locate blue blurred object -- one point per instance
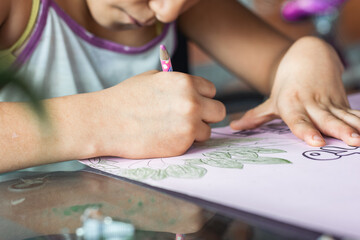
(96, 227)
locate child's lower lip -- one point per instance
(150, 22)
(135, 22)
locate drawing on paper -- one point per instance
(331, 153)
(277, 128)
(224, 142)
(225, 153)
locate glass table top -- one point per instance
(49, 202)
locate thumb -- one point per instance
(255, 117)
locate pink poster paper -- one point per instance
(266, 171)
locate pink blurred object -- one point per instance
(294, 10)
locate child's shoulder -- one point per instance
(14, 16)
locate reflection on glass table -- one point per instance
(51, 205)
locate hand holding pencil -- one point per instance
(161, 114)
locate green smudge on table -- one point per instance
(76, 209)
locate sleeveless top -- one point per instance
(59, 57)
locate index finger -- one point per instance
(204, 87)
(301, 125)
(186, 81)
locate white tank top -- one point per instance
(62, 58)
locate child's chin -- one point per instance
(122, 27)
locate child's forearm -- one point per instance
(238, 39)
(26, 140)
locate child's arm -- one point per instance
(4, 14)
(154, 114)
(302, 78)
(26, 141)
(236, 38)
(4, 10)
(14, 15)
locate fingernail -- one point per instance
(317, 138)
(355, 135)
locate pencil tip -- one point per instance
(162, 47)
(164, 55)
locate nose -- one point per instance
(166, 10)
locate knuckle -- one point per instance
(329, 118)
(346, 130)
(337, 132)
(222, 111)
(299, 120)
(188, 130)
(344, 116)
(292, 96)
(185, 82)
(356, 113)
(190, 107)
(212, 88)
(308, 132)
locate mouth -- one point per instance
(148, 22)
(135, 21)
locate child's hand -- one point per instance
(155, 114)
(309, 96)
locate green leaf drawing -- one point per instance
(240, 155)
(217, 155)
(138, 173)
(230, 156)
(107, 164)
(159, 174)
(222, 163)
(194, 161)
(236, 157)
(264, 160)
(176, 171)
(261, 150)
(185, 171)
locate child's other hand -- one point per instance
(309, 96)
(155, 114)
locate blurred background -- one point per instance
(336, 21)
